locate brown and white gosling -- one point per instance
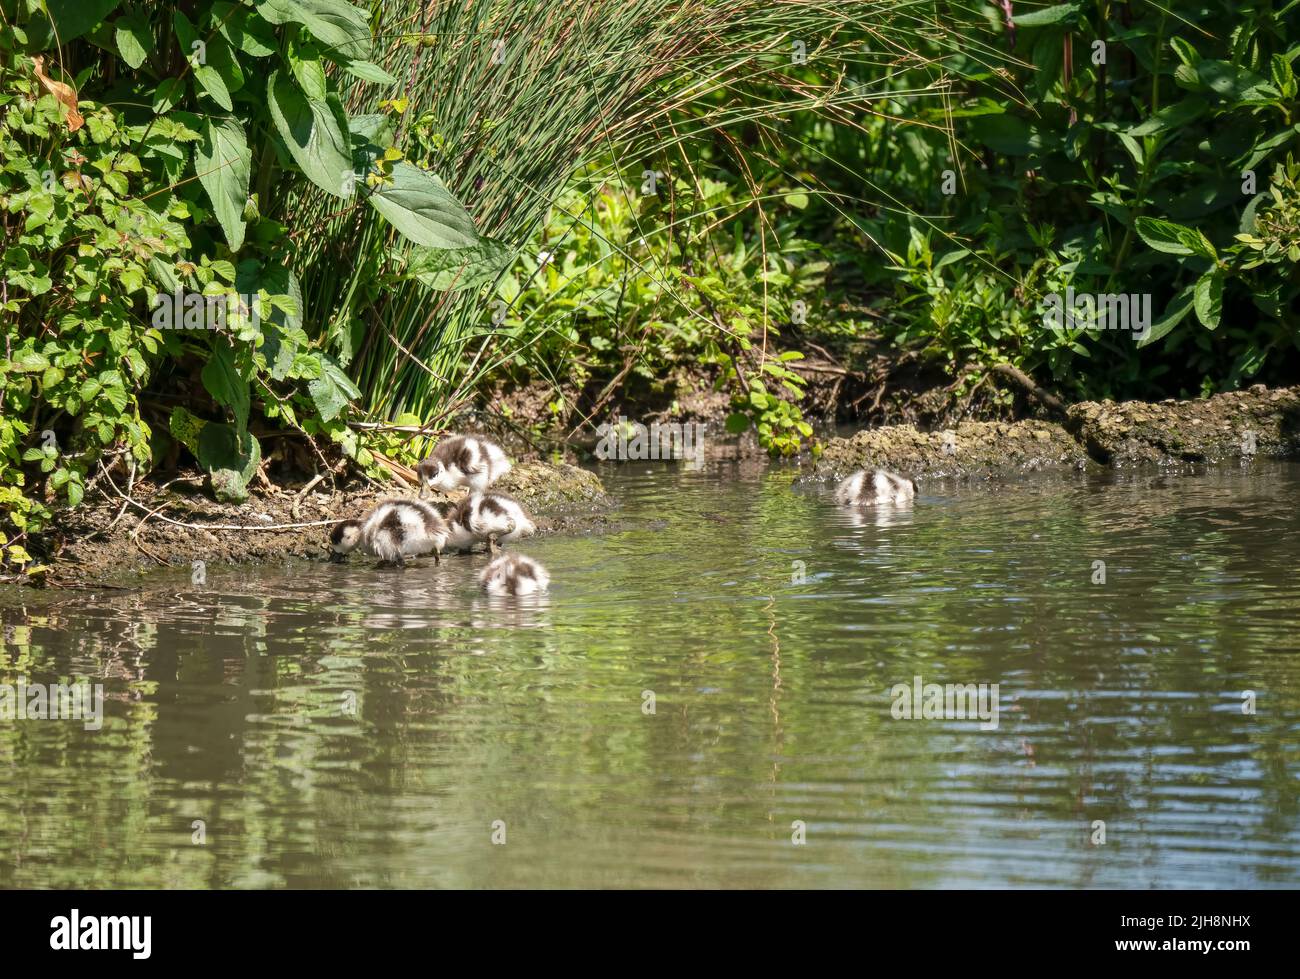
(514, 574)
(487, 517)
(392, 532)
(875, 487)
(463, 460)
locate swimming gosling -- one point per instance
(875, 487)
(488, 517)
(514, 574)
(463, 460)
(392, 531)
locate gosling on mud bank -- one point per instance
(463, 461)
(392, 532)
(875, 488)
(514, 574)
(489, 518)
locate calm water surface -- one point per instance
(1119, 702)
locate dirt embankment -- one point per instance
(176, 525)
(1171, 434)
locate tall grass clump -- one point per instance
(507, 100)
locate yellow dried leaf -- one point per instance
(63, 92)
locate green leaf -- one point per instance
(309, 71)
(332, 390)
(315, 134)
(31, 362)
(1174, 314)
(1007, 134)
(376, 127)
(223, 163)
(224, 382)
(68, 19)
(1187, 54)
(1164, 236)
(368, 72)
(453, 269)
(1209, 298)
(418, 205)
(213, 85)
(1172, 117)
(1059, 14)
(134, 38)
(341, 27)
(245, 30)
(737, 422)
(231, 456)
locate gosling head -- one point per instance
(434, 476)
(344, 538)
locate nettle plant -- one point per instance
(153, 154)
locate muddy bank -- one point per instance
(1093, 435)
(109, 540)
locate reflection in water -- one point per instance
(697, 681)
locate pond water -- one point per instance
(709, 680)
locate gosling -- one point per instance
(514, 574)
(392, 532)
(463, 460)
(874, 488)
(488, 517)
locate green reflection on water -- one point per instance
(232, 704)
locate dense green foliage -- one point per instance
(647, 184)
(123, 188)
(1159, 163)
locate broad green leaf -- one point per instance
(1172, 117)
(737, 422)
(368, 72)
(1007, 134)
(418, 205)
(341, 27)
(332, 390)
(1164, 236)
(315, 134)
(68, 19)
(374, 128)
(309, 72)
(1209, 298)
(223, 162)
(453, 269)
(231, 456)
(224, 382)
(1059, 14)
(245, 30)
(1174, 314)
(134, 38)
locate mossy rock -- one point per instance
(971, 450)
(542, 486)
(1224, 427)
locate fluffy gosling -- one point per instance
(392, 531)
(876, 487)
(514, 574)
(463, 460)
(488, 517)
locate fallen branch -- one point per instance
(297, 500)
(1048, 400)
